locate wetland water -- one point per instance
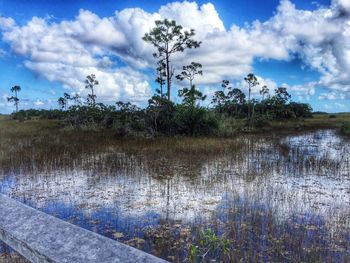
(279, 198)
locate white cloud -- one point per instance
(62, 53)
(4, 97)
(5, 105)
(69, 50)
(340, 105)
(332, 96)
(39, 103)
(255, 91)
(321, 38)
(242, 85)
(303, 91)
(342, 5)
(6, 23)
(204, 19)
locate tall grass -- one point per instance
(346, 128)
(46, 145)
(239, 229)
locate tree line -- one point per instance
(162, 115)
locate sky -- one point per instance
(48, 47)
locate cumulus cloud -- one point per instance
(332, 96)
(303, 91)
(69, 50)
(63, 53)
(343, 6)
(321, 38)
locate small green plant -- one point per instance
(193, 253)
(208, 244)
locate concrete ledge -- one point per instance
(43, 238)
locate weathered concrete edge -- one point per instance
(42, 238)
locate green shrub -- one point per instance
(160, 116)
(30, 114)
(195, 121)
(346, 128)
(260, 121)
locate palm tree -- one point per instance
(169, 39)
(91, 82)
(67, 98)
(62, 102)
(190, 96)
(238, 98)
(15, 99)
(189, 72)
(252, 81)
(161, 75)
(264, 91)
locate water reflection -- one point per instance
(276, 199)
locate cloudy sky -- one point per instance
(49, 46)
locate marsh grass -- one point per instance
(346, 128)
(324, 121)
(39, 146)
(3, 117)
(12, 258)
(45, 145)
(250, 233)
(238, 231)
(232, 127)
(7, 255)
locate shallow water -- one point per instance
(276, 199)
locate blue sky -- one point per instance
(238, 11)
(48, 46)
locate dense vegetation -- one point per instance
(346, 128)
(163, 116)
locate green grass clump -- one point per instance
(346, 128)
